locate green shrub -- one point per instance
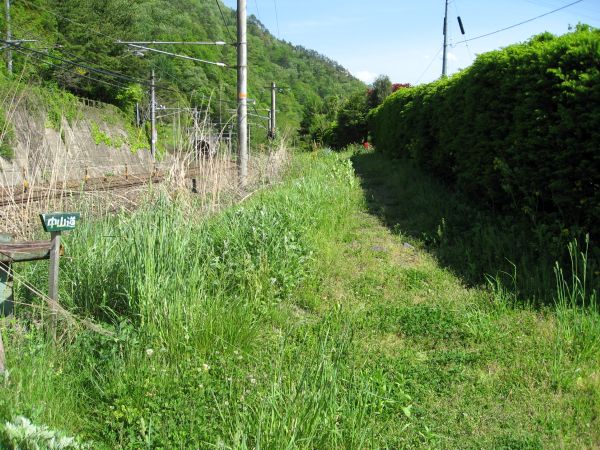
(518, 131)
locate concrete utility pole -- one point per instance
(273, 118)
(445, 58)
(9, 57)
(242, 91)
(153, 133)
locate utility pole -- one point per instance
(242, 91)
(269, 128)
(445, 59)
(153, 133)
(9, 63)
(272, 121)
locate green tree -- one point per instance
(87, 30)
(382, 89)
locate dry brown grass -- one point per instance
(56, 184)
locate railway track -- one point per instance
(73, 189)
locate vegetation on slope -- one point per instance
(296, 320)
(86, 31)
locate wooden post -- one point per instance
(6, 300)
(6, 304)
(2, 360)
(53, 280)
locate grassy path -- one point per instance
(477, 370)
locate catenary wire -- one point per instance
(430, 64)
(277, 18)
(83, 66)
(43, 61)
(524, 22)
(225, 22)
(93, 31)
(60, 49)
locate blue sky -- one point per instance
(402, 39)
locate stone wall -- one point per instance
(43, 154)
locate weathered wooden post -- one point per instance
(6, 304)
(6, 301)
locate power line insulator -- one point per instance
(460, 24)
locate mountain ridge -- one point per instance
(87, 31)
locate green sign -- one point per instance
(59, 221)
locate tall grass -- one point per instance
(208, 350)
(278, 323)
(477, 245)
(578, 316)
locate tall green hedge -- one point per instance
(519, 130)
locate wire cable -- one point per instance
(524, 22)
(463, 41)
(257, 10)
(43, 61)
(225, 22)
(277, 19)
(60, 49)
(430, 64)
(66, 61)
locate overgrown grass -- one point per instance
(478, 246)
(295, 320)
(207, 348)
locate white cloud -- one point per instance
(366, 76)
(452, 57)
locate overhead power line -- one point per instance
(455, 3)
(172, 43)
(99, 71)
(58, 48)
(524, 22)
(257, 10)
(430, 64)
(225, 22)
(277, 19)
(83, 66)
(80, 75)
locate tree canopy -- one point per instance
(87, 31)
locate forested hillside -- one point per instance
(86, 31)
